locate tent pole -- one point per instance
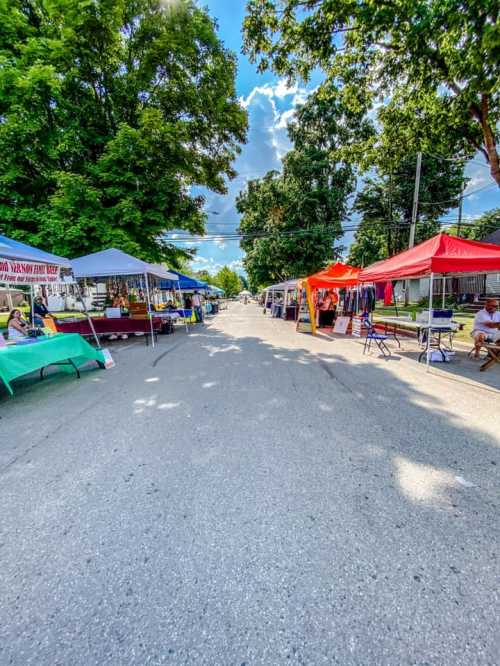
(32, 305)
(89, 318)
(444, 291)
(150, 314)
(429, 321)
(181, 301)
(9, 297)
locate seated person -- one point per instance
(40, 311)
(119, 301)
(486, 327)
(170, 306)
(16, 326)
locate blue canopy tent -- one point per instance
(14, 250)
(217, 291)
(185, 283)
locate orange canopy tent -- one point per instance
(336, 276)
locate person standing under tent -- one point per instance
(198, 312)
(486, 327)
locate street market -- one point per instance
(249, 333)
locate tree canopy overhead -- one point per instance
(436, 60)
(110, 111)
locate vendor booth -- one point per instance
(21, 264)
(281, 300)
(437, 258)
(322, 289)
(186, 286)
(130, 281)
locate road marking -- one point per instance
(464, 482)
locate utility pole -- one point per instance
(389, 233)
(460, 206)
(414, 214)
(415, 201)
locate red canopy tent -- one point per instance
(441, 254)
(336, 276)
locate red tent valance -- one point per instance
(336, 276)
(440, 254)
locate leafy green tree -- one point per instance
(436, 61)
(111, 110)
(292, 219)
(243, 282)
(205, 276)
(229, 281)
(486, 224)
(385, 206)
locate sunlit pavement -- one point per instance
(250, 495)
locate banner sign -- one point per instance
(27, 272)
(356, 326)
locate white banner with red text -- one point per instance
(14, 271)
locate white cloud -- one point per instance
(270, 108)
(282, 89)
(236, 265)
(479, 175)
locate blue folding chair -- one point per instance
(373, 336)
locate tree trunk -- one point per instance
(481, 113)
(489, 141)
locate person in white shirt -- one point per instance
(198, 312)
(486, 326)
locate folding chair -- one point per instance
(378, 338)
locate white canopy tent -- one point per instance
(282, 287)
(116, 263)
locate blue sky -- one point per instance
(270, 104)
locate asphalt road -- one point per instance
(250, 495)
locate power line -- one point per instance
(480, 189)
(465, 160)
(237, 236)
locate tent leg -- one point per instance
(89, 318)
(32, 305)
(444, 291)
(150, 314)
(183, 310)
(429, 322)
(9, 297)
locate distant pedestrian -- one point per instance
(198, 312)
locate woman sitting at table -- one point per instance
(16, 326)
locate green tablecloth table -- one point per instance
(61, 349)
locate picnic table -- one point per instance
(60, 349)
